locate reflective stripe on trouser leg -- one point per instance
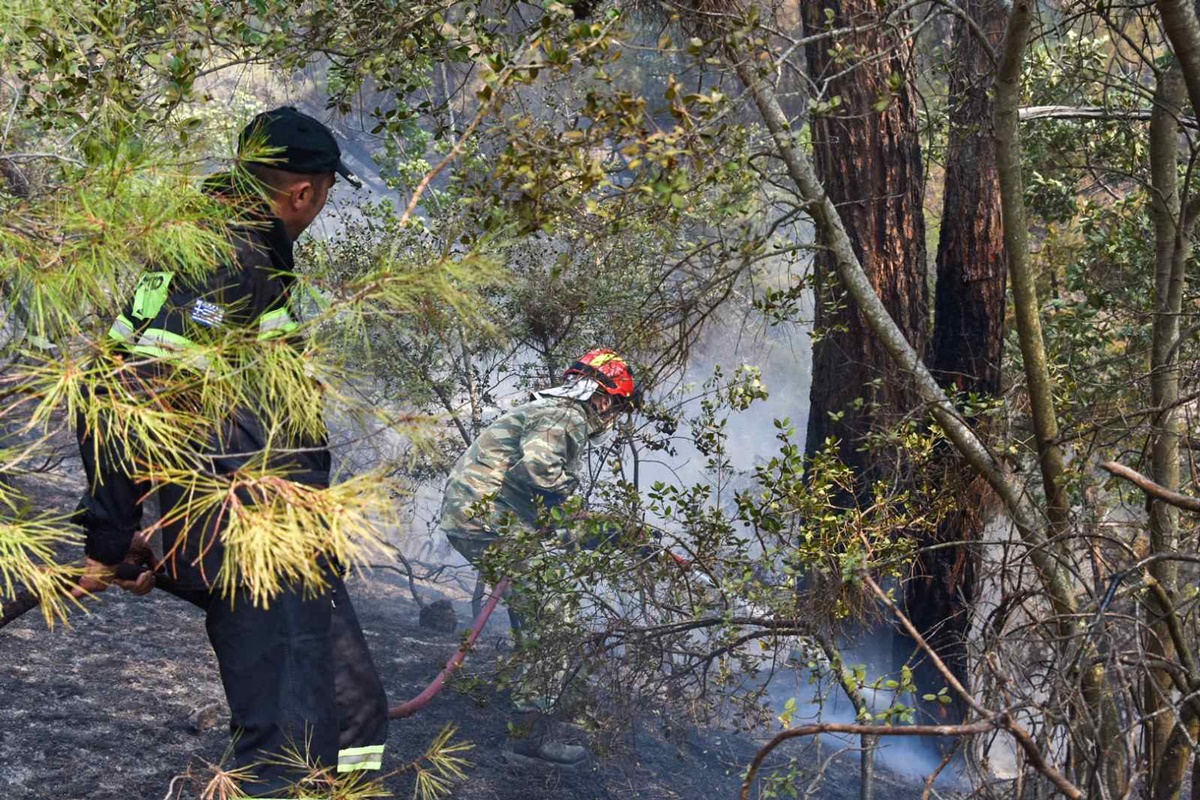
(361, 700)
(355, 758)
(276, 665)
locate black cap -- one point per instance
(295, 142)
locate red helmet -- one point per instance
(610, 371)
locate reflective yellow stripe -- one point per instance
(122, 328)
(155, 352)
(39, 341)
(356, 758)
(276, 323)
(158, 343)
(370, 749)
(157, 337)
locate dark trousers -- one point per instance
(298, 675)
(301, 686)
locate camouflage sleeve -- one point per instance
(550, 451)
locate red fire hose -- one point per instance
(420, 701)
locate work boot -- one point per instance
(531, 746)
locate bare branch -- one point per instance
(970, 729)
(1000, 719)
(1151, 488)
(1029, 113)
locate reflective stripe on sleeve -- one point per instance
(40, 342)
(158, 343)
(122, 328)
(276, 323)
(157, 337)
(356, 758)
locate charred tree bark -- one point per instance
(1047, 555)
(869, 160)
(968, 337)
(968, 332)
(867, 155)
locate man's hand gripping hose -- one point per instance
(135, 574)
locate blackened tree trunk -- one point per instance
(968, 331)
(968, 337)
(868, 157)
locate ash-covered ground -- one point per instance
(128, 697)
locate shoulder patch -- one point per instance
(210, 315)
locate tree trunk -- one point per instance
(1167, 754)
(968, 332)
(1182, 27)
(1048, 556)
(1095, 725)
(1027, 310)
(869, 160)
(968, 337)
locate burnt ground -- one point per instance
(100, 710)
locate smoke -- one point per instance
(809, 696)
(742, 336)
(745, 336)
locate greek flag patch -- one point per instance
(210, 315)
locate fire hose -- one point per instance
(420, 701)
(26, 600)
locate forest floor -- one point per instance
(105, 709)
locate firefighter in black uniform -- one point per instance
(297, 674)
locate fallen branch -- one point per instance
(24, 600)
(1157, 491)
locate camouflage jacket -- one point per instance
(528, 458)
